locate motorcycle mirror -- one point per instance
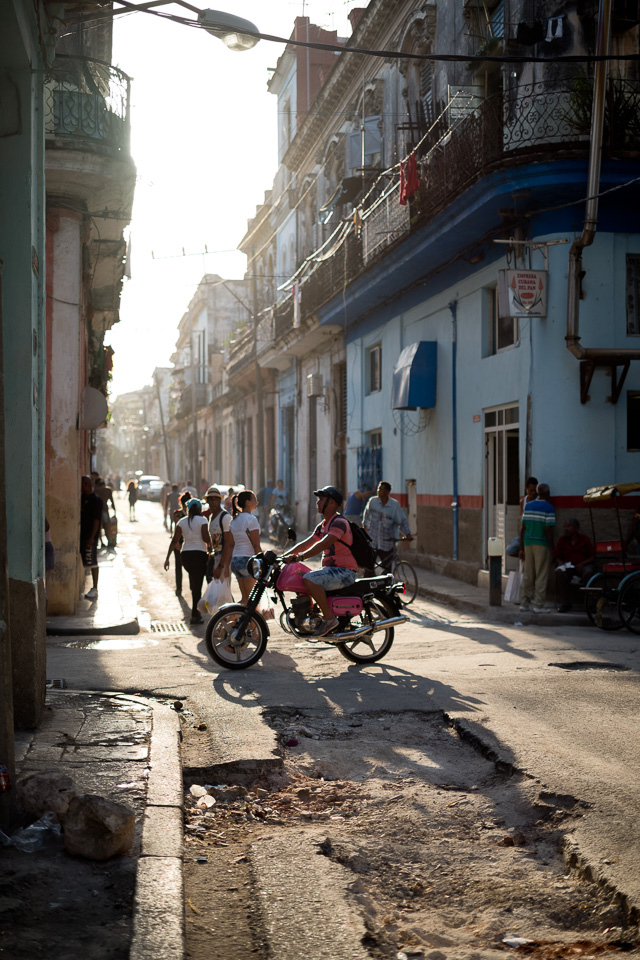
(291, 534)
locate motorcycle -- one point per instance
(280, 520)
(367, 611)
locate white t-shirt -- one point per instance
(217, 526)
(242, 546)
(193, 533)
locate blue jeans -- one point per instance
(239, 567)
(332, 578)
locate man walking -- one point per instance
(219, 520)
(90, 519)
(537, 549)
(384, 520)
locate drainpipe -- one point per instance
(591, 212)
(453, 307)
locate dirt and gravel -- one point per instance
(443, 855)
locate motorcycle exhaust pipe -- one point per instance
(353, 634)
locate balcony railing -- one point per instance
(533, 122)
(87, 101)
(472, 137)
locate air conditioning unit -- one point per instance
(315, 385)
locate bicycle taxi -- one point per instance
(612, 592)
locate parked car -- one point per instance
(144, 483)
(155, 490)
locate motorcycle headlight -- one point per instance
(255, 567)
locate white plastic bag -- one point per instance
(514, 582)
(217, 593)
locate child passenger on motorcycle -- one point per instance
(332, 537)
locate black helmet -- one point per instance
(331, 492)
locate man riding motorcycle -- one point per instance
(332, 537)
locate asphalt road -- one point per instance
(576, 731)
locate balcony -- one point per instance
(87, 102)
(531, 123)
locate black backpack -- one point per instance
(362, 547)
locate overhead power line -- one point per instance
(393, 54)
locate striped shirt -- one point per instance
(538, 517)
(384, 521)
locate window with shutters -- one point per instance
(426, 91)
(633, 295)
(374, 368)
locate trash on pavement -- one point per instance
(33, 837)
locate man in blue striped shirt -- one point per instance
(537, 549)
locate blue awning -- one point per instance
(414, 377)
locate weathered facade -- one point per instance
(90, 180)
(505, 156)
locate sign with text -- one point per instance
(522, 293)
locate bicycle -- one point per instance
(402, 572)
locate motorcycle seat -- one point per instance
(362, 586)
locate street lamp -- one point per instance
(235, 32)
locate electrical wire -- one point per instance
(386, 54)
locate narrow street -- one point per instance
(429, 805)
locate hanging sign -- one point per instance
(522, 293)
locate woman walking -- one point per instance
(193, 531)
(244, 532)
(132, 493)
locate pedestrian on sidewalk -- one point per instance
(90, 519)
(537, 549)
(193, 531)
(575, 559)
(105, 492)
(356, 501)
(173, 505)
(132, 493)
(530, 493)
(244, 534)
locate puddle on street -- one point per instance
(113, 643)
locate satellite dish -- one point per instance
(94, 409)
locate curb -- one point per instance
(158, 926)
(503, 614)
(82, 627)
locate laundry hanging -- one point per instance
(555, 29)
(409, 180)
(528, 33)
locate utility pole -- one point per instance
(194, 410)
(164, 432)
(261, 478)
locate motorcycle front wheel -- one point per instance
(372, 646)
(235, 653)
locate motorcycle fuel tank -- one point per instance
(290, 579)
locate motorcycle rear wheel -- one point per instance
(225, 649)
(370, 647)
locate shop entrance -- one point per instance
(502, 474)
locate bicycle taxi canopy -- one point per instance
(603, 593)
(609, 491)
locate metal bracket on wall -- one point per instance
(587, 369)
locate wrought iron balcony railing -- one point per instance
(472, 137)
(87, 101)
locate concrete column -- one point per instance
(22, 250)
(66, 364)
